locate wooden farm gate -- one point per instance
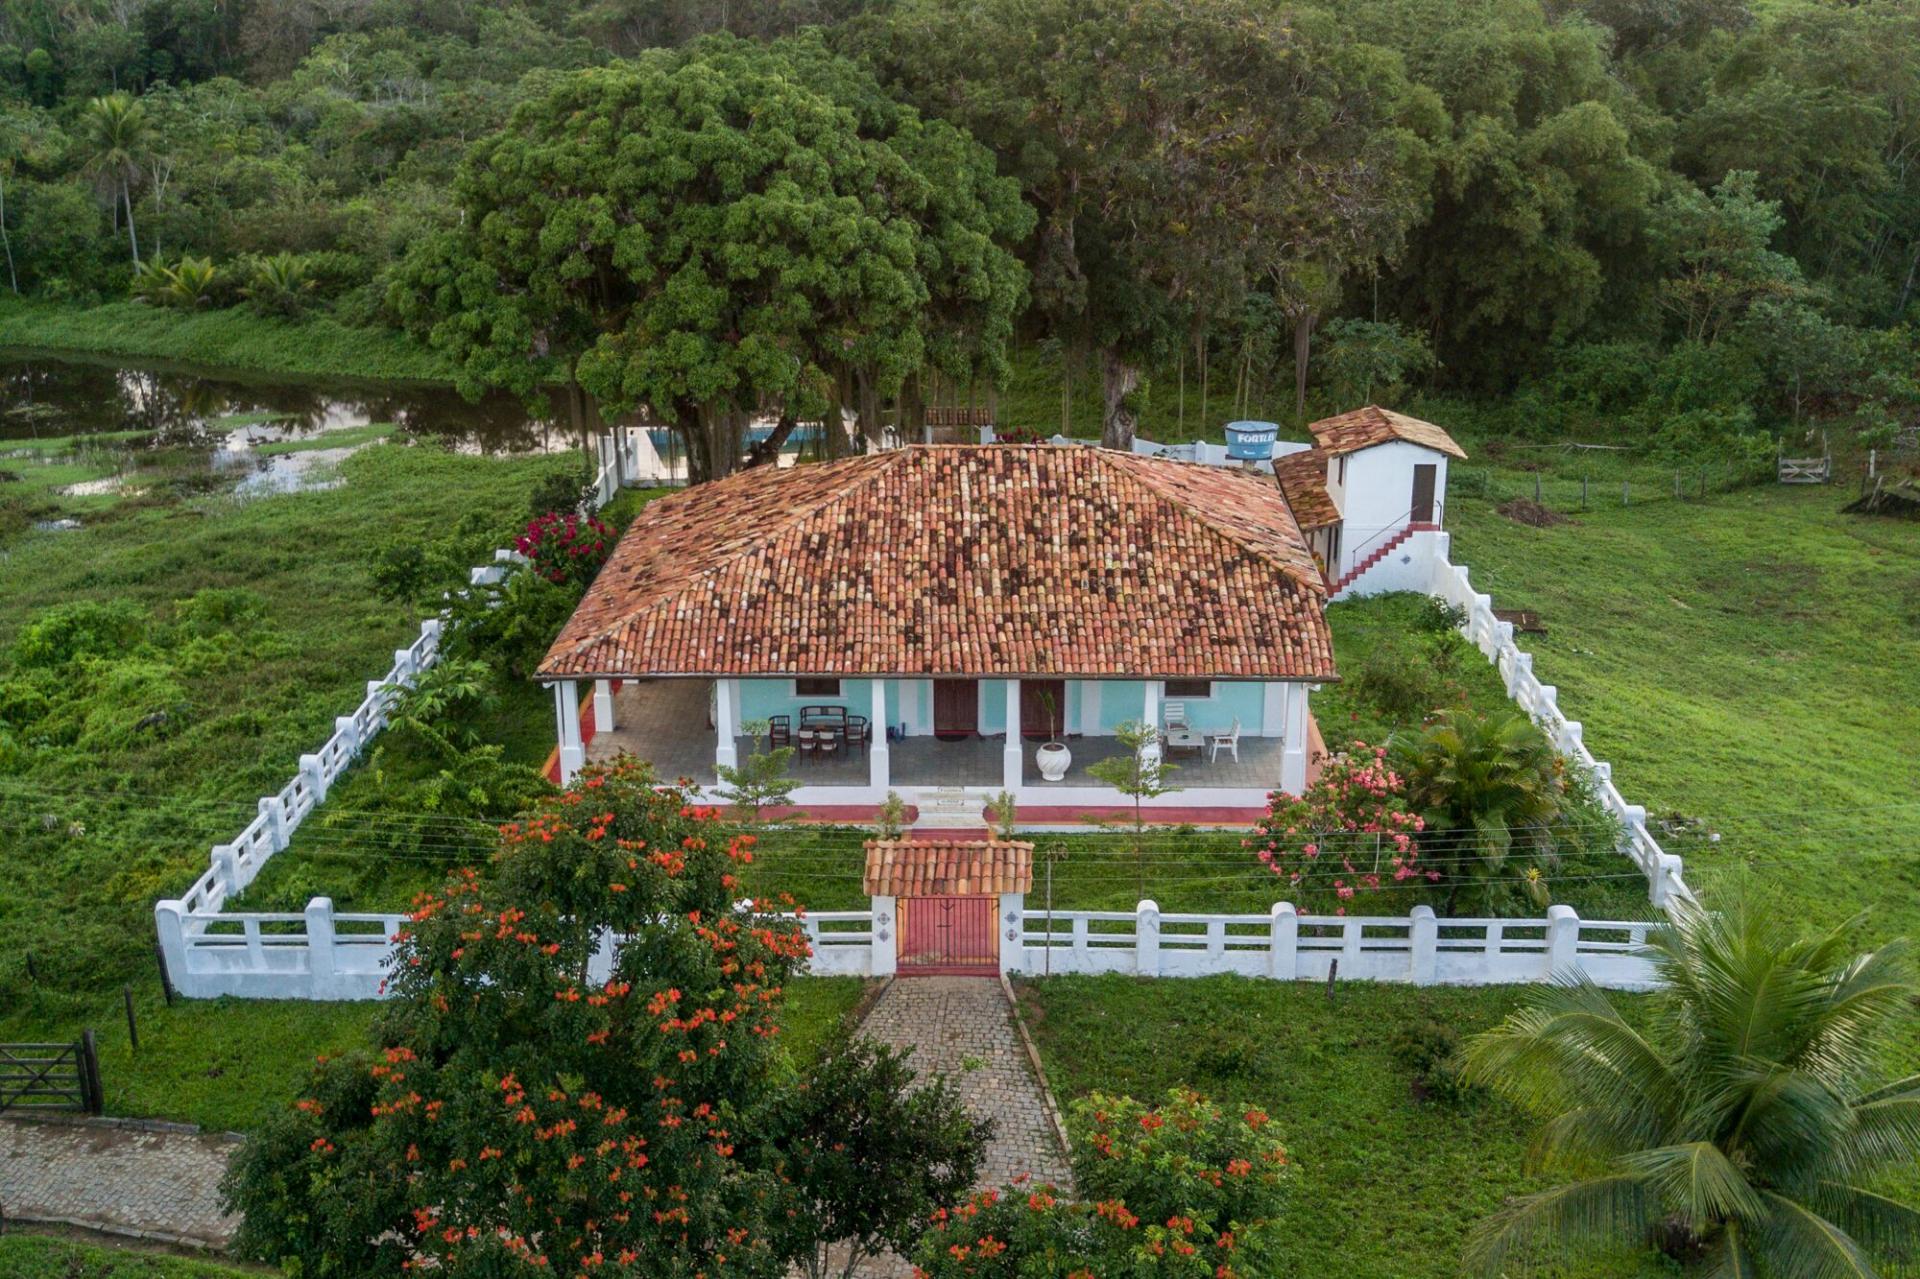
(51, 1076)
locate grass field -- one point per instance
(1385, 1185)
(47, 1257)
(233, 338)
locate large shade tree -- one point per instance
(716, 233)
(1180, 154)
(1746, 1128)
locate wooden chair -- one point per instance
(779, 732)
(859, 733)
(1229, 741)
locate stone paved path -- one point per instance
(963, 1028)
(161, 1185)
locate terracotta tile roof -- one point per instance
(946, 868)
(1303, 478)
(981, 560)
(1364, 428)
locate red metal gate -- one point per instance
(949, 935)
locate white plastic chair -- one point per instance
(1176, 715)
(1230, 740)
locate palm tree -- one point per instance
(1742, 1132)
(1485, 786)
(115, 137)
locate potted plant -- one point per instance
(1053, 757)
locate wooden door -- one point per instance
(1043, 709)
(956, 708)
(1424, 477)
(951, 935)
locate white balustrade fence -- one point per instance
(321, 955)
(1494, 638)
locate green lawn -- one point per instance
(1751, 661)
(116, 779)
(1384, 1185)
(49, 1257)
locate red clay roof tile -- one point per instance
(1364, 428)
(946, 868)
(989, 560)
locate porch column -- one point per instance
(602, 705)
(877, 757)
(1151, 718)
(566, 715)
(1273, 709)
(1293, 754)
(724, 754)
(1089, 708)
(1013, 757)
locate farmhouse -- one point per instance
(964, 616)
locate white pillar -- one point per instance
(169, 920)
(1146, 938)
(1151, 718)
(320, 938)
(1423, 937)
(566, 713)
(1012, 759)
(724, 753)
(1013, 909)
(602, 705)
(878, 755)
(1273, 709)
(1283, 933)
(885, 954)
(1563, 938)
(1293, 752)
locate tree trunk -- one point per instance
(1203, 381)
(913, 411)
(1118, 381)
(768, 450)
(871, 427)
(126, 193)
(13, 277)
(1302, 349)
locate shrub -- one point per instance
(68, 632)
(566, 490)
(1435, 616)
(1430, 1050)
(510, 623)
(1401, 683)
(566, 548)
(1355, 826)
(278, 284)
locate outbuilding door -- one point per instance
(948, 936)
(1424, 476)
(1043, 709)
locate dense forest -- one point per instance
(1693, 223)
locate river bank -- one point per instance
(229, 339)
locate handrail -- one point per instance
(1400, 524)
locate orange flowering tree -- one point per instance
(1184, 1190)
(536, 1104)
(1355, 830)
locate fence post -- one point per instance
(1146, 938)
(1424, 935)
(1283, 955)
(273, 811)
(315, 774)
(886, 955)
(1666, 872)
(320, 938)
(90, 1074)
(1563, 936)
(170, 924)
(226, 866)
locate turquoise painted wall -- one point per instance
(1120, 701)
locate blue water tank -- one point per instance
(1251, 441)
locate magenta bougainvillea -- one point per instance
(566, 547)
(1353, 831)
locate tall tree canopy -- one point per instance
(1179, 155)
(717, 233)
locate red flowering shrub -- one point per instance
(567, 548)
(528, 1111)
(1353, 831)
(1183, 1191)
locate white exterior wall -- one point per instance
(1378, 495)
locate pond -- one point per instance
(101, 428)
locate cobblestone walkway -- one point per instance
(963, 1028)
(159, 1185)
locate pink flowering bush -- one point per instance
(1354, 831)
(566, 548)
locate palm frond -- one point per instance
(1580, 1214)
(1795, 1240)
(1698, 1181)
(1731, 1256)
(1882, 1226)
